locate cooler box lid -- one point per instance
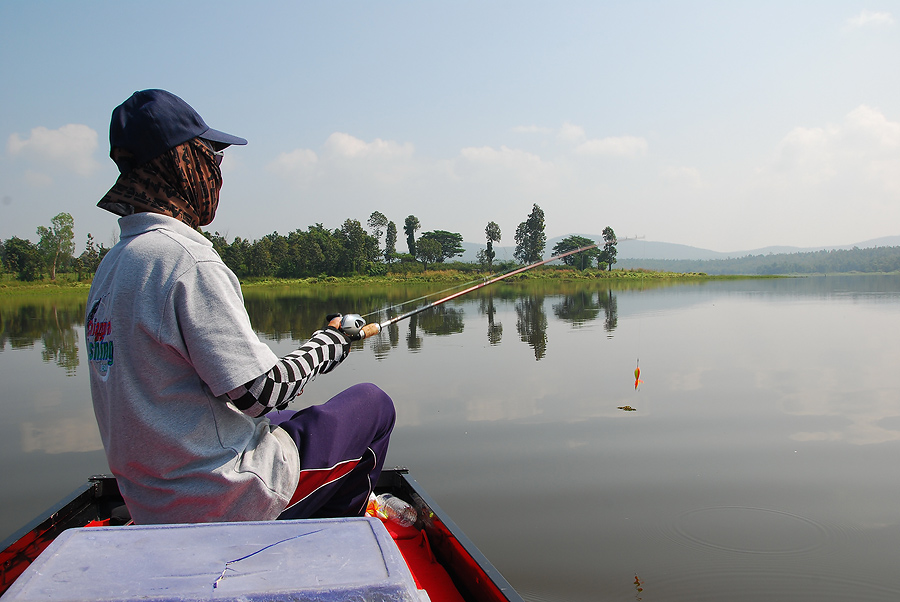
(303, 560)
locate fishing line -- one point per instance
(637, 368)
(354, 326)
(452, 288)
(429, 295)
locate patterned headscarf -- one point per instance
(183, 183)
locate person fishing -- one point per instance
(182, 386)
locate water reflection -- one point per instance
(494, 328)
(611, 311)
(531, 324)
(580, 307)
(53, 321)
(577, 309)
(442, 320)
(291, 315)
(756, 458)
(413, 340)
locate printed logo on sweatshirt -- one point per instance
(97, 335)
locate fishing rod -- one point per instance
(356, 328)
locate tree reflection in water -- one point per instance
(578, 309)
(53, 321)
(608, 302)
(60, 345)
(531, 323)
(495, 328)
(413, 340)
(279, 314)
(442, 320)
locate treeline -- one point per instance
(53, 253)
(869, 260)
(318, 251)
(314, 252)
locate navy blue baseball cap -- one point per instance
(153, 121)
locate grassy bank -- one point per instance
(63, 283)
(543, 273)
(70, 283)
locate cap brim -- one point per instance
(221, 137)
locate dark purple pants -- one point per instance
(342, 446)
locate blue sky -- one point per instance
(722, 125)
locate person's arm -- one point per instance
(277, 387)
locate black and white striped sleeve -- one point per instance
(276, 388)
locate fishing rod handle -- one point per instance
(369, 330)
(356, 328)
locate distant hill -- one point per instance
(648, 249)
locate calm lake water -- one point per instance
(760, 462)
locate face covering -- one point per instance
(183, 183)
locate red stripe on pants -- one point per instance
(312, 479)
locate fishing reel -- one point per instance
(352, 324)
(356, 328)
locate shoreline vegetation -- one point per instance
(70, 282)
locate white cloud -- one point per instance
(71, 147)
(872, 125)
(531, 129)
(621, 146)
(871, 19)
(518, 168)
(506, 169)
(505, 157)
(344, 157)
(61, 435)
(821, 178)
(807, 154)
(571, 133)
(864, 149)
(297, 165)
(344, 145)
(687, 175)
(37, 179)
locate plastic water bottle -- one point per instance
(395, 509)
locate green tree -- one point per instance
(377, 223)
(292, 263)
(218, 242)
(23, 258)
(89, 259)
(323, 250)
(237, 255)
(492, 233)
(450, 243)
(578, 260)
(92, 254)
(57, 242)
(530, 237)
(281, 257)
(481, 257)
(357, 246)
(390, 242)
(260, 262)
(608, 254)
(410, 226)
(429, 251)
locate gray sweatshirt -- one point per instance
(168, 337)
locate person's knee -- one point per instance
(377, 397)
